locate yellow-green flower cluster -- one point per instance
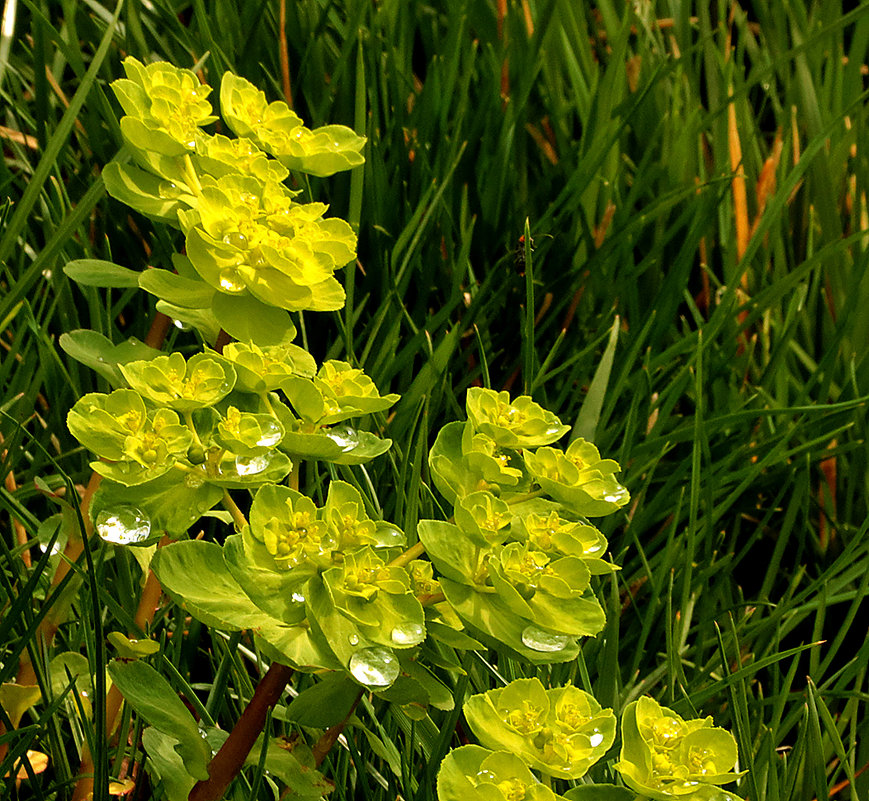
(277, 129)
(665, 757)
(165, 107)
(561, 732)
(245, 233)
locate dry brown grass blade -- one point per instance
(766, 182)
(826, 532)
(285, 55)
(740, 196)
(502, 37)
(17, 525)
(542, 142)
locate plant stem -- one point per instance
(229, 759)
(230, 505)
(414, 552)
(330, 736)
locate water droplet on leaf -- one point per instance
(251, 465)
(543, 641)
(408, 634)
(123, 526)
(389, 536)
(271, 434)
(236, 239)
(167, 189)
(194, 480)
(353, 639)
(596, 739)
(230, 281)
(374, 667)
(344, 437)
(298, 597)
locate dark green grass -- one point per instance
(720, 407)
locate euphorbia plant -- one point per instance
(328, 588)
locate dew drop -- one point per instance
(344, 437)
(236, 239)
(230, 282)
(389, 536)
(374, 667)
(353, 639)
(298, 597)
(596, 739)
(167, 189)
(194, 480)
(271, 434)
(251, 465)
(543, 641)
(407, 635)
(123, 526)
(619, 496)
(486, 776)
(336, 145)
(181, 325)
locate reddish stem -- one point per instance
(229, 759)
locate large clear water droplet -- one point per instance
(271, 435)
(181, 325)
(236, 239)
(389, 536)
(123, 526)
(298, 598)
(230, 281)
(543, 641)
(487, 776)
(353, 639)
(344, 437)
(596, 739)
(374, 667)
(167, 189)
(619, 496)
(408, 634)
(251, 465)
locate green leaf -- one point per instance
(491, 619)
(203, 320)
(132, 649)
(293, 764)
(154, 699)
(176, 289)
(16, 699)
(143, 192)
(600, 792)
(95, 272)
(195, 575)
(270, 589)
(325, 703)
(250, 320)
(160, 747)
(171, 502)
(100, 354)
